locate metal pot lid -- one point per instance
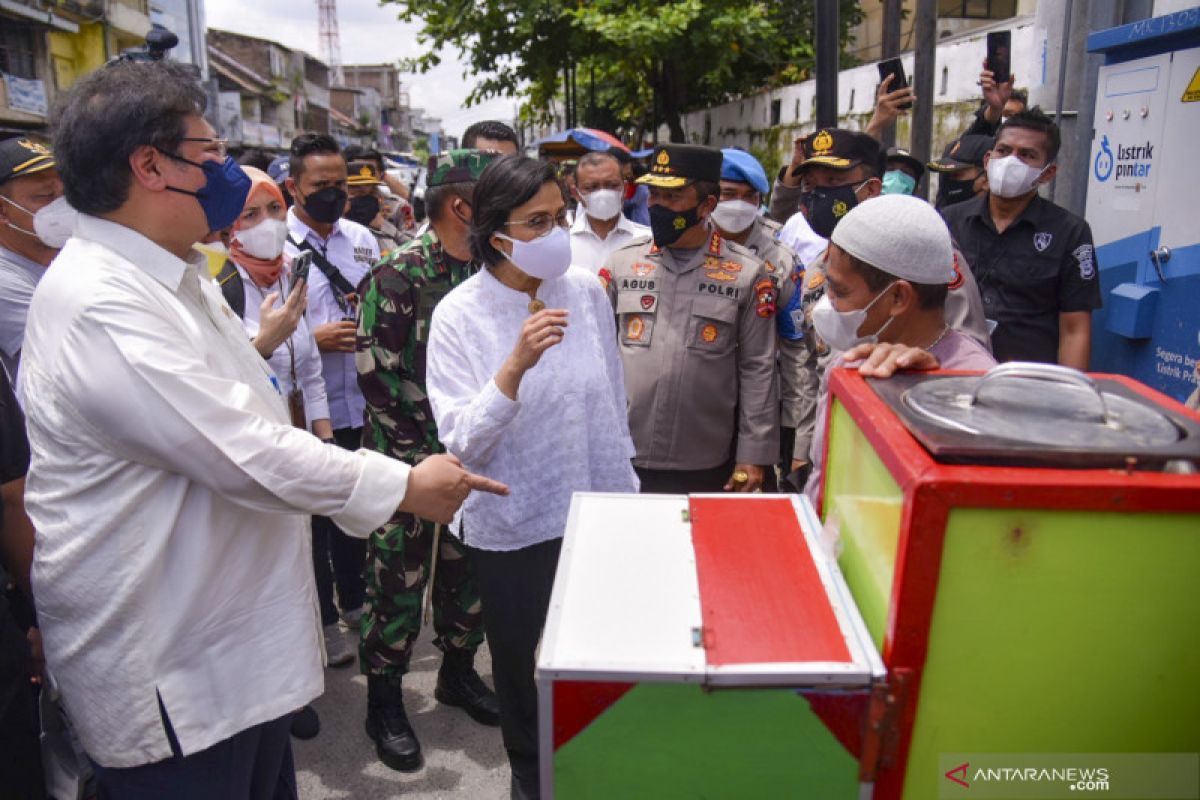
(1042, 404)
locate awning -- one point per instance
(39, 14)
(577, 141)
(342, 119)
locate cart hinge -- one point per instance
(882, 737)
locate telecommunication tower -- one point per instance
(331, 43)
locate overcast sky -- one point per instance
(370, 35)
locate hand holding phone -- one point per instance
(893, 85)
(999, 55)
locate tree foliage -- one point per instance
(652, 60)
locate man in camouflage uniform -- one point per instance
(696, 331)
(398, 297)
(744, 186)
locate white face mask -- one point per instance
(55, 223)
(265, 240)
(1011, 177)
(734, 216)
(839, 329)
(47, 213)
(602, 204)
(546, 257)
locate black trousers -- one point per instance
(684, 481)
(339, 559)
(255, 764)
(514, 589)
(20, 751)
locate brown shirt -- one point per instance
(697, 343)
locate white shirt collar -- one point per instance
(581, 224)
(151, 258)
(298, 229)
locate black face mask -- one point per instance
(824, 208)
(667, 225)
(951, 191)
(325, 206)
(363, 209)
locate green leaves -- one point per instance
(690, 53)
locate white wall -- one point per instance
(746, 123)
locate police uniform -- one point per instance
(697, 340)
(1042, 265)
(798, 381)
(387, 236)
(397, 302)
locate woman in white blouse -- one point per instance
(526, 385)
(257, 276)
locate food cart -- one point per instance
(1020, 589)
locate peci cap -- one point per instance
(673, 166)
(905, 158)
(965, 151)
(20, 156)
(840, 149)
(738, 165)
(458, 166)
(363, 173)
(900, 235)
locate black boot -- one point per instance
(387, 725)
(459, 685)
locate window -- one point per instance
(851, 99)
(17, 50)
(776, 111)
(977, 9)
(797, 109)
(945, 81)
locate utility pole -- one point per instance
(892, 12)
(828, 51)
(925, 69)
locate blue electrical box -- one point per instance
(1143, 202)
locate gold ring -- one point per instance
(741, 476)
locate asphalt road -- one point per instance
(463, 759)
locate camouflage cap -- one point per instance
(458, 166)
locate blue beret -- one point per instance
(738, 165)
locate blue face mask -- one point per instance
(224, 193)
(898, 182)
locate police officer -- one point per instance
(398, 298)
(363, 184)
(695, 316)
(1034, 260)
(961, 175)
(743, 187)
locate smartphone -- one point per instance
(999, 50)
(894, 67)
(300, 265)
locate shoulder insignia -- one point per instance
(714, 244)
(958, 276)
(764, 298)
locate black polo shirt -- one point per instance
(1043, 265)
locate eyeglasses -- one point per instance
(221, 145)
(541, 224)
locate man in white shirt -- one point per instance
(343, 253)
(600, 228)
(167, 483)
